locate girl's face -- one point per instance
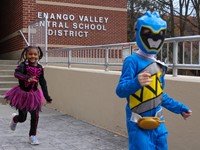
(32, 56)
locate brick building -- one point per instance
(70, 23)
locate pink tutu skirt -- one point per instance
(25, 100)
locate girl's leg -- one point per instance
(21, 117)
(34, 122)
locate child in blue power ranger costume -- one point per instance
(142, 84)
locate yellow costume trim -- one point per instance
(146, 93)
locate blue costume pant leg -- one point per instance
(140, 139)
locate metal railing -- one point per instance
(177, 53)
(38, 35)
(104, 55)
(185, 53)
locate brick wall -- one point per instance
(15, 15)
(11, 16)
(108, 3)
(29, 12)
(92, 23)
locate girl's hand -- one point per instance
(32, 79)
(144, 78)
(49, 102)
(186, 115)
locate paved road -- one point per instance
(57, 131)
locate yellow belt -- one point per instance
(147, 122)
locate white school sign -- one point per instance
(72, 25)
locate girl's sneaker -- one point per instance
(33, 140)
(12, 124)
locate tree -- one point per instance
(182, 16)
(136, 8)
(196, 6)
(134, 11)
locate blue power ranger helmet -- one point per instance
(150, 32)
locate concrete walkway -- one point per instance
(57, 131)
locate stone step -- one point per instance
(7, 67)
(8, 62)
(7, 72)
(7, 78)
(2, 100)
(3, 90)
(8, 84)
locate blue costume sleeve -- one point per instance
(173, 105)
(128, 83)
(170, 103)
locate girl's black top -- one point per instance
(24, 71)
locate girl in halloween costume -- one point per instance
(26, 96)
(142, 84)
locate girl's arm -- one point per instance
(43, 85)
(20, 72)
